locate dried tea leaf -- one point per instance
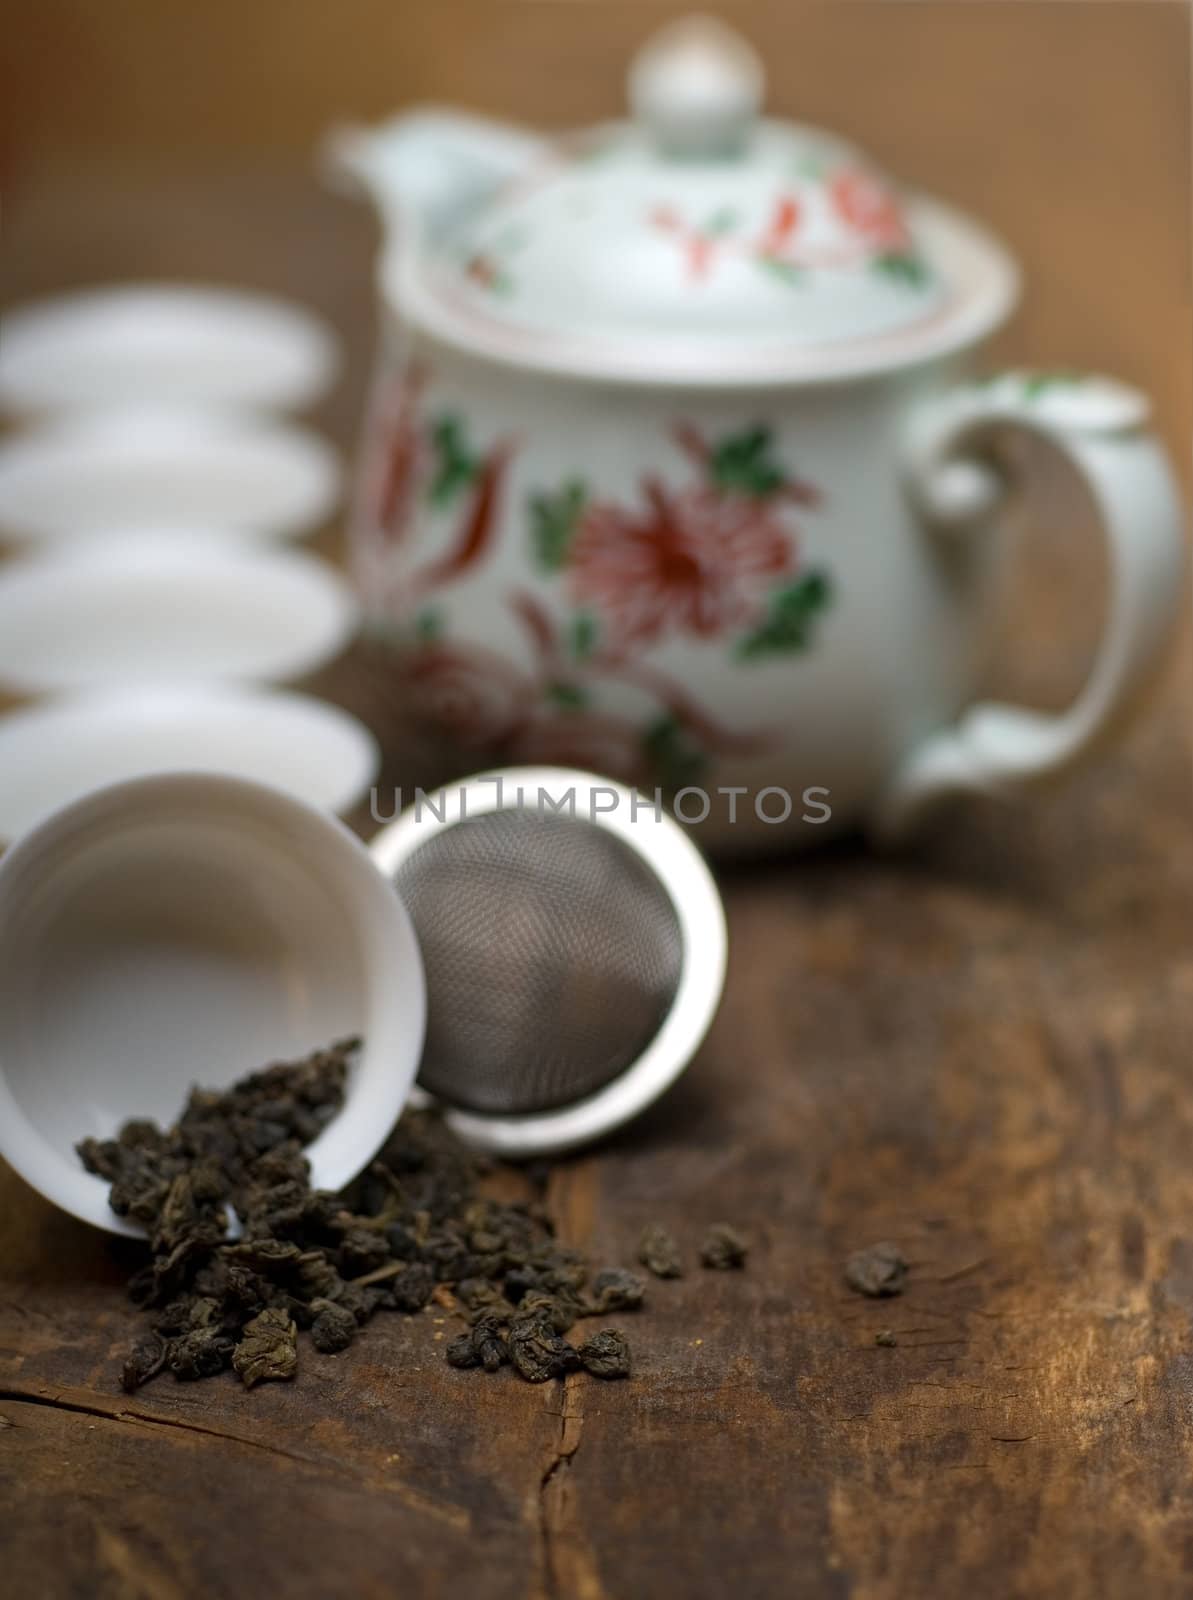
(606, 1354)
(415, 1227)
(520, 1281)
(333, 1328)
(877, 1271)
(144, 1361)
(615, 1290)
(461, 1352)
(723, 1249)
(199, 1354)
(659, 1253)
(362, 1250)
(481, 1294)
(537, 1351)
(885, 1339)
(482, 1346)
(560, 1310)
(413, 1287)
(268, 1349)
(491, 1348)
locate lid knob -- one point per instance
(698, 86)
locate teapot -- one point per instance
(677, 467)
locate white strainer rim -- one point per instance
(679, 868)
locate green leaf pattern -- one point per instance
(583, 635)
(673, 757)
(428, 625)
(554, 519)
(787, 629)
(745, 463)
(902, 267)
(455, 464)
(785, 271)
(568, 696)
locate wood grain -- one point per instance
(981, 1053)
(980, 1050)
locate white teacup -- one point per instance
(188, 929)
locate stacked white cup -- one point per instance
(151, 487)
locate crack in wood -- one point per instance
(565, 1565)
(86, 1404)
(571, 1425)
(96, 1406)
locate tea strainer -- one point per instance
(574, 945)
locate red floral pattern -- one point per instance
(405, 456)
(591, 740)
(869, 208)
(781, 230)
(697, 560)
(699, 245)
(875, 230)
(425, 465)
(714, 557)
(477, 699)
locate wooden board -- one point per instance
(980, 1050)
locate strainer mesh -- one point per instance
(552, 956)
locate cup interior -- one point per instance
(187, 930)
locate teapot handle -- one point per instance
(1097, 425)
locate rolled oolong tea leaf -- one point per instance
(615, 1290)
(723, 1249)
(659, 1253)
(144, 1361)
(413, 1287)
(482, 1346)
(886, 1340)
(606, 1354)
(878, 1271)
(417, 1227)
(268, 1349)
(482, 1297)
(333, 1328)
(201, 1353)
(461, 1352)
(560, 1310)
(361, 1251)
(537, 1351)
(491, 1348)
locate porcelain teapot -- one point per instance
(677, 469)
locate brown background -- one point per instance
(1065, 125)
(979, 1050)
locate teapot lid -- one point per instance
(700, 242)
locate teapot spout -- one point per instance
(425, 168)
